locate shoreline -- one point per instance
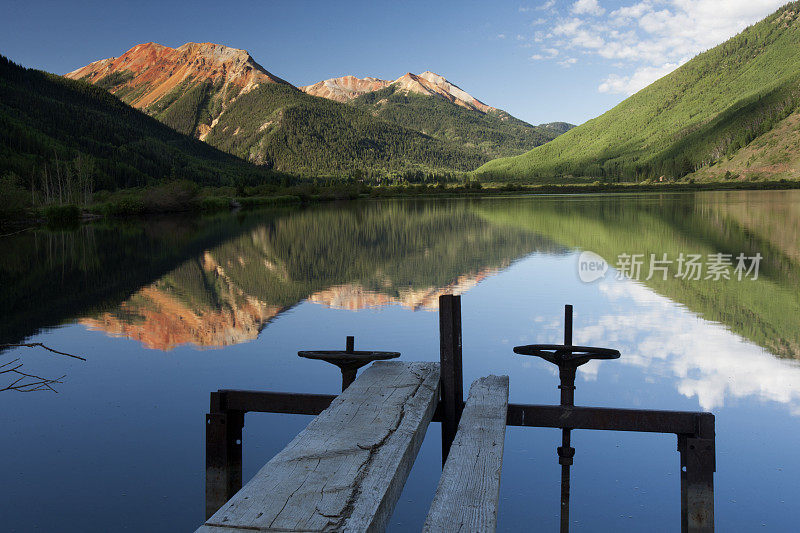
(131, 204)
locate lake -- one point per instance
(169, 309)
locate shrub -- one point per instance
(215, 203)
(174, 196)
(123, 207)
(263, 201)
(62, 214)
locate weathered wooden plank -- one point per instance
(469, 490)
(346, 470)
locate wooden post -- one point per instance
(223, 453)
(697, 477)
(452, 381)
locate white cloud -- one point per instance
(547, 53)
(641, 78)
(568, 62)
(646, 39)
(587, 7)
(703, 359)
(547, 5)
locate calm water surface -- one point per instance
(167, 310)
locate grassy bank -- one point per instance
(489, 189)
(185, 196)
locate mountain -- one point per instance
(222, 96)
(430, 104)
(557, 127)
(187, 88)
(428, 83)
(345, 88)
(56, 129)
(693, 121)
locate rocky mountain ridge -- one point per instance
(162, 69)
(346, 88)
(221, 95)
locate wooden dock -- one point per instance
(346, 470)
(468, 494)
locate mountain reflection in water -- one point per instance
(260, 285)
(399, 254)
(214, 282)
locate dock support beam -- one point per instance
(452, 379)
(223, 453)
(698, 465)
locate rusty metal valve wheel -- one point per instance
(567, 356)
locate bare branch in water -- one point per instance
(24, 382)
(40, 345)
(14, 233)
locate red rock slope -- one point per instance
(159, 69)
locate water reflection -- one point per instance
(54, 277)
(765, 311)
(216, 282)
(289, 278)
(398, 254)
(702, 358)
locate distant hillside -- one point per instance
(694, 120)
(431, 104)
(493, 133)
(283, 128)
(557, 127)
(51, 127)
(222, 96)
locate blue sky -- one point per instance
(542, 61)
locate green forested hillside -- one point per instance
(494, 134)
(699, 115)
(280, 127)
(64, 134)
(221, 96)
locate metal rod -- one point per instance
(566, 451)
(568, 325)
(565, 495)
